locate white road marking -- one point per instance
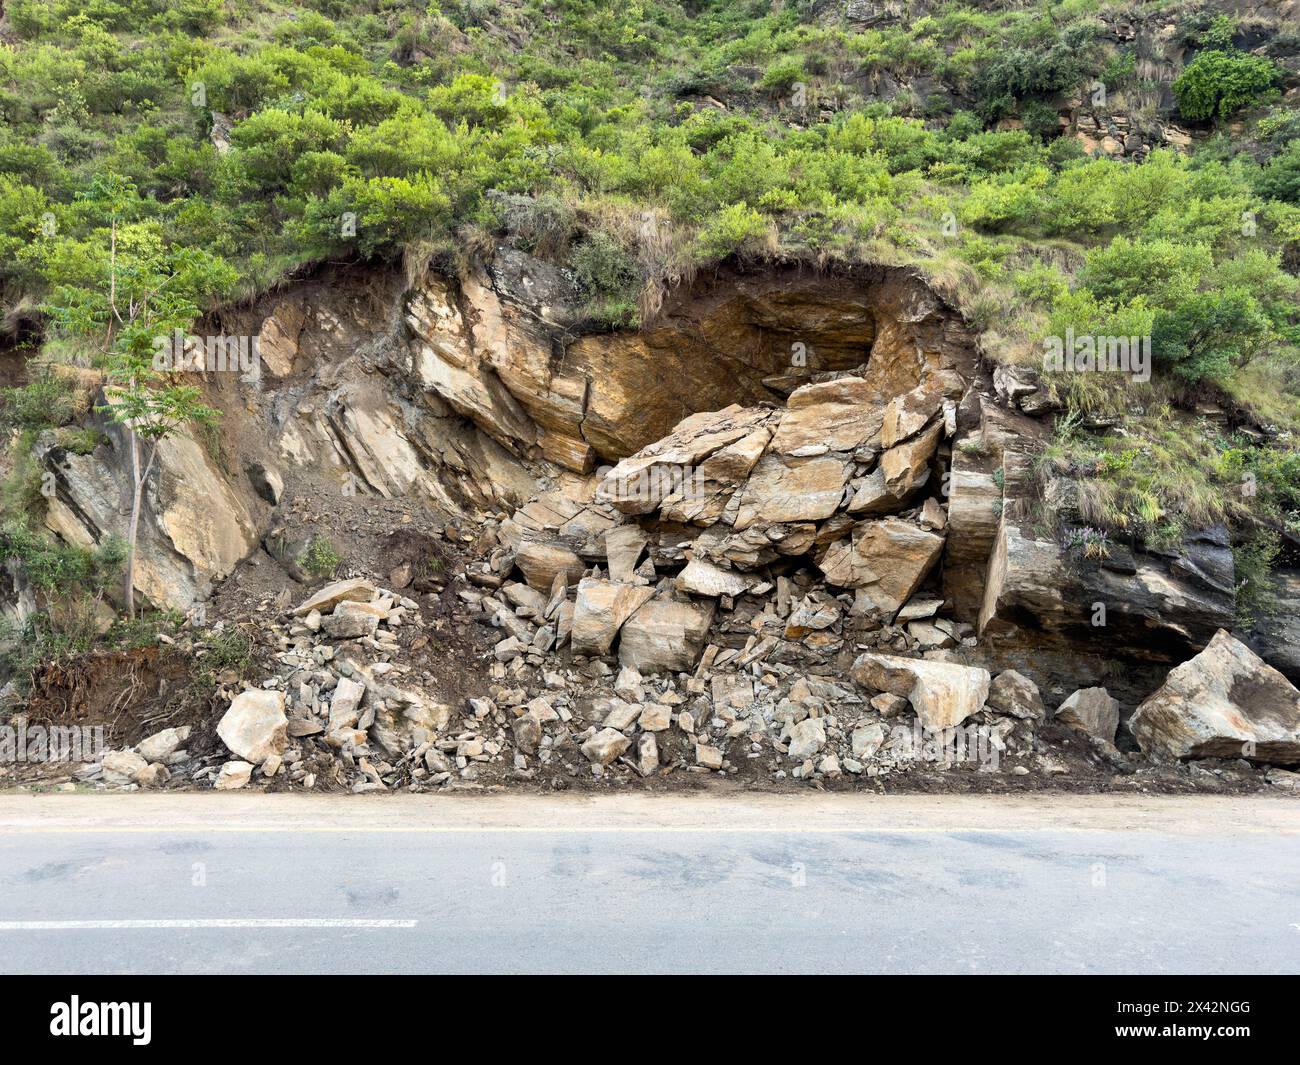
(868, 828)
(219, 922)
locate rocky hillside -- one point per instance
(689, 417)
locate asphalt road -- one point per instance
(804, 883)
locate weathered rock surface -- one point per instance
(605, 746)
(122, 767)
(601, 609)
(886, 559)
(1162, 607)
(1226, 702)
(196, 528)
(356, 589)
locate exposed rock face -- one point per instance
(1278, 638)
(195, 526)
(1225, 702)
(1161, 606)
(1091, 710)
(492, 349)
(762, 422)
(943, 694)
(279, 336)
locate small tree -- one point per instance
(131, 289)
(150, 410)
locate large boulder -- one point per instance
(255, 727)
(665, 635)
(886, 559)
(1226, 702)
(601, 609)
(943, 694)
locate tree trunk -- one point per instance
(137, 493)
(139, 479)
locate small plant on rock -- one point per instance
(320, 558)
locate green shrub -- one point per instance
(737, 228)
(46, 402)
(603, 266)
(1253, 562)
(1280, 180)
(1028, 73)
(1209, 334)
(1216, 84)
(783, 74)
(1160, 270)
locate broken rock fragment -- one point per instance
(1091, 710)
(943, 694)
(605, 746)
(888, 559)
(1015, 694)
(540, 562)
(701, 577)
(233, 775)
(357, 590)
